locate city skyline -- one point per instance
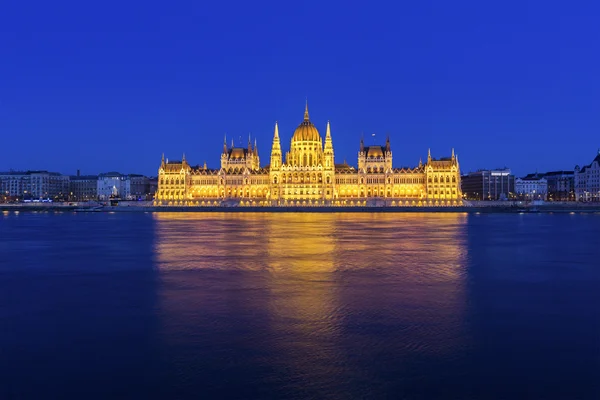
(96, 90)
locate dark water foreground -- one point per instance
(333, 306)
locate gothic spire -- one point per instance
(306, 111)
(328, 143)
(275, 149)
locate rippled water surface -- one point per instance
(334, 306)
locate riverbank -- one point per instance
(136, 208)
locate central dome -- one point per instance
(306, 131)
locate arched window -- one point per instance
(454, 179)
(275, 180)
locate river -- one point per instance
(284, 305)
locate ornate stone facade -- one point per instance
(309, 177)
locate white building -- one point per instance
(587, 181)
(113, 185)
(14, 184)
(531, 187)
(34, 185)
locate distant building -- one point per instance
(83, 187)
(34, 185)
(531, 187)
(587, 181)
(113, 185)
(152, 187)
(139, 186)
(14, 184)
(561, 185)
(496, 184)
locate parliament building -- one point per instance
(308, 176)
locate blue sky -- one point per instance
(101, 86)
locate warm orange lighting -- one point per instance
(307, 176)
(307, 271)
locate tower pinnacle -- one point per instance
(306, 111)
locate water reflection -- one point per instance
(301, 295)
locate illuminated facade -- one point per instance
(308, 176)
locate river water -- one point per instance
(278, 305)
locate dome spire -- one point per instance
(306, 111)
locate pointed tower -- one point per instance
(328, 151)
(162, 161)
(225, 154)
(428, 156)
(361, 154)
(276, 150)
(388, 154)
(306, 118)
(274, 170)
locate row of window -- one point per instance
(441, 179)
(441, 192)
(289, 178)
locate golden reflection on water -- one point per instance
(325, 285)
